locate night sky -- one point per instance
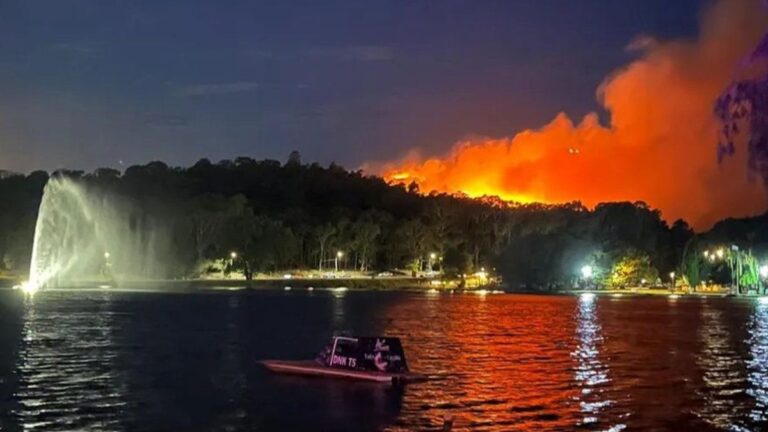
(89, 83)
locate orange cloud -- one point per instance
(660, 145)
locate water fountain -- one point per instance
(86, 235)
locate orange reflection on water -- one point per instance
(496, 364)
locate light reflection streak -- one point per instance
(757, 364)
(229, 376)
(338, 301)
(591, 374)
(722, 373)
(67, 378)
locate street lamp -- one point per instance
(586, 271)
(586, 274)
(764, 271)
(672, 278)
(233, 255)
(432, 258)
(720, 253)
(339, 254)
(106, 255)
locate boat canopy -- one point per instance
(372, 354)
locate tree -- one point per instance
(695, 266)
(323, 233)
(365, 232)
(294, 159)
(632, 269)
(208, 214)
(743, 109)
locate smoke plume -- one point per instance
(659, 146)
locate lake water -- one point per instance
(120, 361)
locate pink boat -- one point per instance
(379, 359)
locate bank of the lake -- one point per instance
(653, 292)
(389, 283)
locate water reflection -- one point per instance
(338, 306)
(757, 364)
(65, 368)
(228, 376)
(591, 374)
(722, 371)
(149, 362)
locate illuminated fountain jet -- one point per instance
(85, 234)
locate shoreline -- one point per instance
(654, 292)
(362, 284)
(388, 284)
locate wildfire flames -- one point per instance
(659, 146)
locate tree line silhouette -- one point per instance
(291, 215)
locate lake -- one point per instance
(151, 361)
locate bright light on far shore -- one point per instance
(587, 297)
(763, 300)
(764, 271)
(586, 271)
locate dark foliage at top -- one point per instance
(743, 111)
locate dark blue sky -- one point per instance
(88, 83)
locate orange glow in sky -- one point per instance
(659, 145)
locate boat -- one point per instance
(378, 359)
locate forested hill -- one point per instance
(293, 215)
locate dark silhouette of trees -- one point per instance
(278, 217)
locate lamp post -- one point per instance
(672, 279)
(232, 258)
(432, 258)
(339, 254)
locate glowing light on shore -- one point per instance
(764, 271)
(763, 300)
(29, 288)
(587, 297)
